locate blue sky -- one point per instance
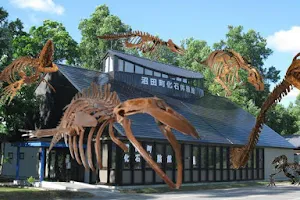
(277, 21)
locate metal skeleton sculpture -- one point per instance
(290, 170)
(239, 156)
(143, 41)
(225, 64)
(96, 108)
(16, 76)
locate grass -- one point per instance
(32, 193)
(208, 186)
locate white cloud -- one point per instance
(40, 5)
(286, 40)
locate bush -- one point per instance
(31, 180)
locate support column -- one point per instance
(18, 164)
(42, 164)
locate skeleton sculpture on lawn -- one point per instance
(225, 64)
(16, 76)
(94, 106)
(239, 156)
(290, 170)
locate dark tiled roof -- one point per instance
(216, 119)
(169, 69)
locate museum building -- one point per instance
(220, 123)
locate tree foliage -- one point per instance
(101, 22)
(66, 48)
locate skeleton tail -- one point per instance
(278, 93)
(57, 134)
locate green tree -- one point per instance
(66, 48)
(101, 22)
(8, 31)
(252, 46)
(281, 120)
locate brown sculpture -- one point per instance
(93, 107)
(27, 70)
(143, 41)
(239, 156)
(225, 64)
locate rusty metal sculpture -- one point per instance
(225, 64)
(143, 41)
(93, 107)
(16, 76)
(290, 170)
(239, 156)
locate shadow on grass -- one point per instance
(32, 193)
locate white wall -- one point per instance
(270, 154)
(29, 166)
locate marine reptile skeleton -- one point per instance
(27, 70)
(143, 41)
(225, 64)
(239, 156)
(97, 107)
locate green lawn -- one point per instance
(207, 186)
(16, 193)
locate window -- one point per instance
(22, 156)
(203, 157)
(157, 74)
(120, 65)
(165, 76)
(149, 149)
(218, 157)
(148, 72)
(139, 69)
(184, 80)
(196, 155)
(159, 155)
(225, 158)
(210, 157)
(169, 157)
(178, 79)
(128, 67)
(10, 155)
(111, 64)
(126, 158)
(106, 65)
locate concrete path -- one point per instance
(281, 192)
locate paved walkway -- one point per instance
(282, 191)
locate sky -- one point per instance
(277, 21)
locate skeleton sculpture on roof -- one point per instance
(239, 156)
(225, 64)
(96, 106)
(27, 70)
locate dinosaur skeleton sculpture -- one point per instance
(15, 74)
(239, 156)
(225, 64)
(143, 41)
(95, 107)
(290, 170)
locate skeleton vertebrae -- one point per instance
(143, 41)
(95, 109)
(240, 156)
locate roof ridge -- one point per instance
(153, 60)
